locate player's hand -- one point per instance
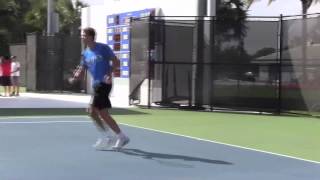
(116, 72)
(71, 80)
(108, 79)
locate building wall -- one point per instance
(96, 15)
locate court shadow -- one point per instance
(160, 156)
(61, 111)
(126, 111)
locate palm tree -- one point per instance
(231, 25)
(69, 14)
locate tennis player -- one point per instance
(101, 62)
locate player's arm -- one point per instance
(78, 71)
(115, 70)
(14, 71)
(115, 66)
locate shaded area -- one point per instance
(60, 111)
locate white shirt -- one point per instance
(14, 67)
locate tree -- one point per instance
(230, 30)
(36, 17)
(231, 22)
(18, 17)
(8, 13)
(69, 14)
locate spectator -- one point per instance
(1, 58)
(15, 75)
(6, 74)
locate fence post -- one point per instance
(279, 110)
(149, 62)
(212, 59)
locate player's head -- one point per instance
(88, 35)
(13, 58)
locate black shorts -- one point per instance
(100, 98)
(6, 81)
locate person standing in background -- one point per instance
(15, 75)
(1, 59)
(6, 74)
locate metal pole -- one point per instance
(49, 16)
(199, 54)
(211, 9)
(212, 59)
(280, 66)
(149, 62)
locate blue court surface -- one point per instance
(59, 148)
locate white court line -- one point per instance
(43, 122)
(226, 144)
(43, 117)
(149, 129)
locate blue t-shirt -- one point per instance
(97, 61)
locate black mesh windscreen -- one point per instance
(173, 68)
(56, 61)
(178, 42)
(300, 67)
(71, 58)
(49, 65)
(244, 70)
(139, 57)
(244, 91)
(177, 83)
(267, 64)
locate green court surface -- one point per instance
(286, 135)
(296, 136)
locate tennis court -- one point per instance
(59, 147)
(164, 145)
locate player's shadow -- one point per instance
(157, 156)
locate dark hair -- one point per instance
(90, 32)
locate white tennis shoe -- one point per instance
(120, 143)
(104, 143)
